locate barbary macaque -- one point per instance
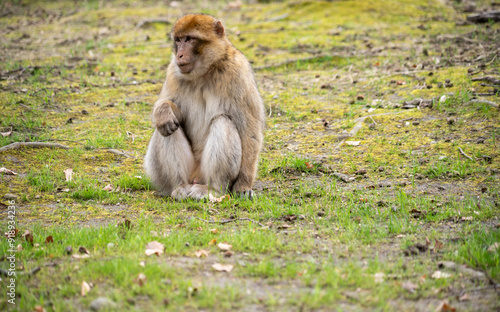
(209, 117)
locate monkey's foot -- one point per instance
(194, 191)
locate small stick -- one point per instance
(18, 145)
(463, 153)
(230, 220)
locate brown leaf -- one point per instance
(69, 174)
(11, 233)
(49, 239)
(154, 248)
(308, 165)
(215, 231)
(28, 236)
(140, 279)
(108, 188)
(438, 245)
(400, 82)
(214, 199)
(38, 308)
(7, 171)
(445, 307)
(83, 250)
(85, 288)
(212, 242)
(222, 267)
(224, 246)
(201, 253)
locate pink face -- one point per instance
(186, 52)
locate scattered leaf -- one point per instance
(494, 247)
(353, 143)
(140, 279)
(439, 275)
(445, 307)
(108, 188)
(224, 246)
(8, 133)
(85, 288)
(154, 248)
(214, 199)
(201, 253)
(212, 242)
(28, 236)
(438, 245)
(49, 239)
(39, 308)
(215, 231)
(379, 277)
(409, 286)
(308, 165)
(222, 267)
(7, 171)
(78, 257)
(400, 82)
(69, 174)
(83, 250)
(11, 233)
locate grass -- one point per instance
(310, 241)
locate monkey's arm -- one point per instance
(166, 117)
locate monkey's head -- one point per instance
(199, 41)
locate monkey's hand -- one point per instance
(164, 118)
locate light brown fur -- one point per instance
(209, 117)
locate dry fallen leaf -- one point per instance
(409, 286)
(214, 199)
(154, 248)
(49, 239)
(108, 188)
(140, 279)
(28, 236)
(83, 250)
(222, 267)
(494, 247)
(8, 133)
(445, 307)
(439, 274)
(212, 242)
(464, 297)
(7, 171)
(224, 246)
(76, 256)
(353, 143)
(69, 174)
(38, 308)
(19, 247)
(85, 288)
(379, 277)
(201, 253)
(438, 245)
(215, 231)
(308, 165)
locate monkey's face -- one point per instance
(186, 52)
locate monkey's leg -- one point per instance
(221, 158)
(169, 161)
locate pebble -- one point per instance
(102, 303)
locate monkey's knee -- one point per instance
(221, 158)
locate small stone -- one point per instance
(447, 81)
(102, 303)
(448, 85)
(440, 84)
(187, 244)
(450, 121)
(321, 213)
(228, 254)
(381, 168)
(416, 123)
(442, 99)
(85, 112)
(10, 196)
(360, 97)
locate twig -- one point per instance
(463, 153)
(482, 102)
(493, 80)
(18, 145)
(230, 220)
(120, 153)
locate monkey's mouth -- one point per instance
(185, 68)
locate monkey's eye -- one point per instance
(188, 38)
(177, 39)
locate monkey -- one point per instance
(209, 117)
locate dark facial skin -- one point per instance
(185, 53)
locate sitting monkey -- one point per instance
(209, 117)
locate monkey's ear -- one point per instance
(219, 29)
